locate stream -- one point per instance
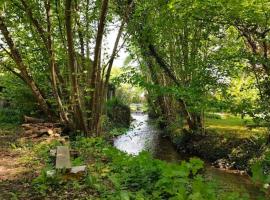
(145, 136)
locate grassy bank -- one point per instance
(229, 125)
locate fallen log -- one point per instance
(27, 126)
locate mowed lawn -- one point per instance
(233, 126)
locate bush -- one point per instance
(147, 178)
(18, 97)
(118, 131)
(10, 116)
(261, 170)
(118, 113)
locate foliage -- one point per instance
(53, 48)
(191, 57)
(17, 95)
(116, 175)
(118, 131)
(126, 91)
(261, 170)
(42, 183)
(118, 113)
(8, 115)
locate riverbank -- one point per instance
(146, 136)
(230, 144)
(110, 173)
(226, 153)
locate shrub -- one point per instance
(154, 179)
(12, 116)
(261, 170)
(118, 131)
(17, 94)
(118, 113)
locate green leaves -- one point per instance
(257, 173)
(157, 179)
(195, 164)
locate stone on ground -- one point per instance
(63, 158)
(78, 169)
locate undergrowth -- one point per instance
(114, 175)
(10, 116)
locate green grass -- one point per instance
(231, 125)
(8, 126)
(230, 120)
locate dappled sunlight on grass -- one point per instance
(233, 126)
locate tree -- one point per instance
(46, 51)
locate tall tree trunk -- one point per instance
(110, 63)
(96, 64)
(79, 118)
(98, 100)
(87, 30)
(160, 98)
(59, 21)
(116, 43)
(102, 97)
(104, 83)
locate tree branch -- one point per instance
(35, 22)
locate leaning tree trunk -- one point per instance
(16, 56)
(192, 122)
(160, 98)
(52, 65)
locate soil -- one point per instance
(14, 175)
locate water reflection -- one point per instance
(140, 137)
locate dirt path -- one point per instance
(10, 166)
(15, 175)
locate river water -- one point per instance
(145, 136)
